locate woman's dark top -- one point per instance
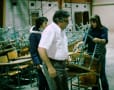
(34, 40)
(98, 33)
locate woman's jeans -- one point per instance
(103, 78)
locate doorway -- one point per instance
(81, 18)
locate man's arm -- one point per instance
(44, 57)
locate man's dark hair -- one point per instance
(39, 21)
(60, 15)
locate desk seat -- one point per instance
(15, 69)
(21, 66)
(86, 86)
(3, 59)
(10, 73)
(86, 77)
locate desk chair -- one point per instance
(10, 71)
(6, 74)
(26, 71)
(12, 55)
(3, 59)
(85, 79)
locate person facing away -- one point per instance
(34, 39)
(98, 36)
(53, 50)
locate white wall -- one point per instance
(19, 15)
(71, 7)
(105, 8)
(49, 11)
(103, 1)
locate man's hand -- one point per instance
(38, 66)
(52, 72)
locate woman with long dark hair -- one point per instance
(99, 34)
(34, 39)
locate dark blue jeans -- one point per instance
(60, 81)
(103, 78)
(61, 78)
(43, 85)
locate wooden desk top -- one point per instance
(20, 61)
(24, 57)
(77, 54)
(78, 68)
(74, 69)
(6, 50)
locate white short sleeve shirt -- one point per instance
(54, 40)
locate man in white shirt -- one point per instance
(53, 50)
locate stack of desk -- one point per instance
(15, 68)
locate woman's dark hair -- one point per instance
(96, 19)
(39, 21)
(60, 15)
